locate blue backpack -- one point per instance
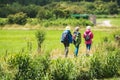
(65, 36)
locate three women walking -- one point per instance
(67, 38)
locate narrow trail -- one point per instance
(104, 23)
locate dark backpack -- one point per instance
(76, 38)
(64, 36)
(87, 37)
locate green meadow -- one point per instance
(13, 41)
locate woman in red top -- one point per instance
(88, 36)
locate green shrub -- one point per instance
(1, 72)
(42, 67)
(59, 13)
(96, 67)
(110, 8)
(18, 18)
(3, 21)
(44, 14)
(22, 67)
(105, 63)
(110, 67)
(62, 69)
(40, 35)
(31, 10)
(83, 75)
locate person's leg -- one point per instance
(76, 50)
(66, 49)
(88, 47)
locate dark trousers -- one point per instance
(88, 46)
(66, 45)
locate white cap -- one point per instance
(67, 28)
(77, 28)
(88, 27)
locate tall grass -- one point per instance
(103, 64)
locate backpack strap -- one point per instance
(88, 33)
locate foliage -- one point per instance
(62, 70)
(64, 22)
(18, 18)
(21, 63)
(40, 35)
(3, 22)
(59, 13)
(112, 8)
(42, 66)
(105, 63)
(60, 9)
(44, 14)
(31, 10)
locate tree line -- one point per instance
(58, 8)
(44, 2)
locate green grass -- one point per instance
(14, 41)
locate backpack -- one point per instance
(87, 36)
(76, 38)
(64, 36)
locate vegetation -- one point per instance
(40, 35)
(103, 64)
(19, 18)
(60, 9)
(19, 48)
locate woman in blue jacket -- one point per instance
(66, 39)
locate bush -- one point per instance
(62, 70)
(44, 14)
(59, 13)
(31, 10)
(21, 64)
(105, 62)
(3, 22)
(18, 18)
(110, 8)
(40, 35)
(42, 67)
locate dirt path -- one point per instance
(106, 23)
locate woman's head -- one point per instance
(77, 28)
(67, 28)
(88, 27)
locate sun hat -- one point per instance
(67, 28)
(88, 27)
(77, 28)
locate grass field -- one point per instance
(13, 41)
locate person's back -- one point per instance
(88, 36)
(76, 40)
(66, 39)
